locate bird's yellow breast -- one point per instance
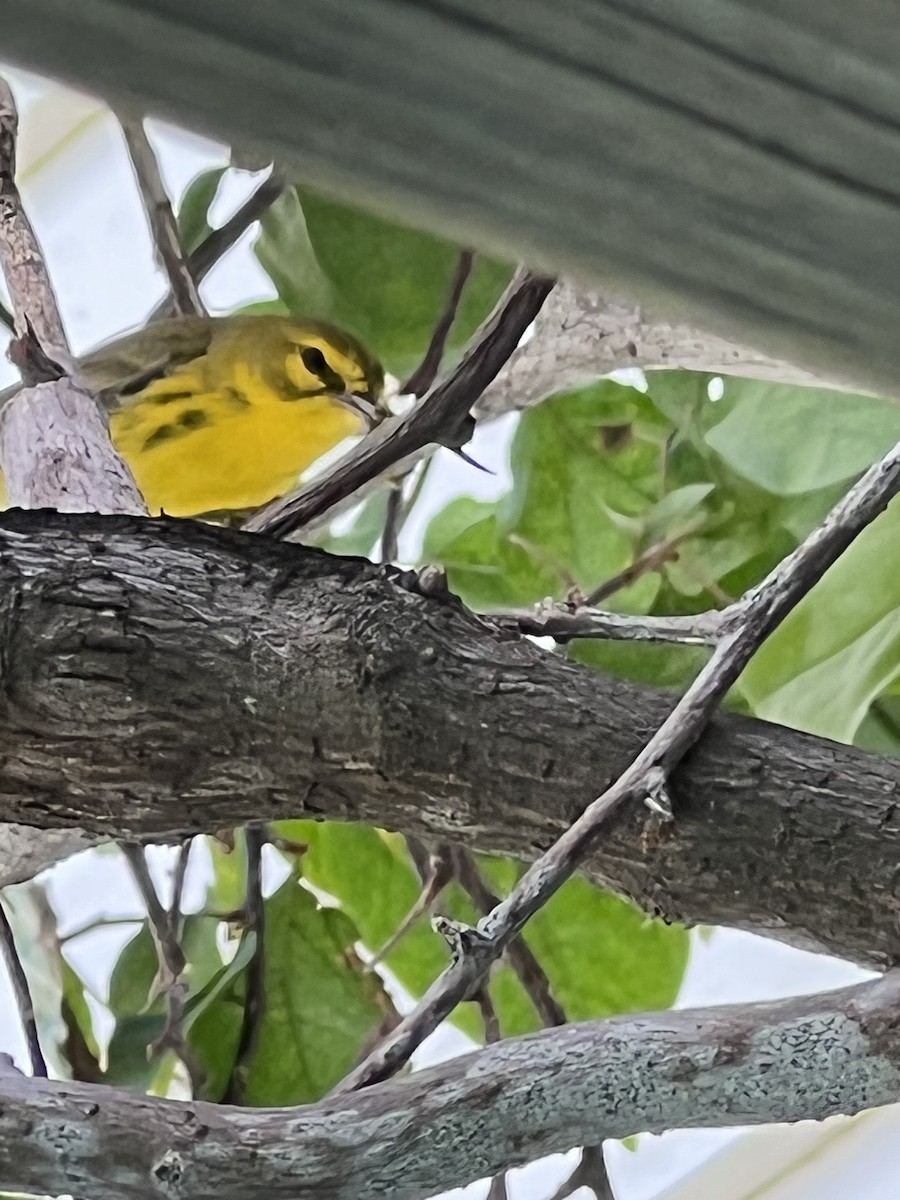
(205, 452)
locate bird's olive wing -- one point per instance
(125, 366)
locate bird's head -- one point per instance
(323, 360)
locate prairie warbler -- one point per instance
(219, 415)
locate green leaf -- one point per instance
(228, 886)
(364, 533)
(128, 1063)
(322, 1007)
(490, 570)
(371, 875)
(683, 396)
(561, 524)
(81, 1048)
(132, 977)
(601, 955)
(383, 282)
(791, 440)
(193, 212)
(840, 647)
(214, 1019)
(655, 664)
(286, 254)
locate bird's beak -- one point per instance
(365, 404)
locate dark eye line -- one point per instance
(315, 362)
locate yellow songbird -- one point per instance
(219, 415)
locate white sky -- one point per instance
(77, 185)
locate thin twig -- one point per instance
(23, 996)
(165, 930)
(7, 319)
(498, 1189)
(489, 1017)
(589, 1172)
(255, 993)
(219, 241)
(442, 419)
(178, 878)
(436, 870)
(647, 777)
(163, 226)
(519, 955)
(425, 374)
(564, 622)
(650, 560)
(393, 520)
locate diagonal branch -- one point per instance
(519, 954)
(441, 419)
(22, 993)
(165, 929)
(647, 777)
(518, 1099)
(161, 218)
(426, 373)
(219, 241)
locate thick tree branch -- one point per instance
(518, 1099)
(146, 690)
(579, 336)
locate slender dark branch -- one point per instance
(393, 521)
(7, 319)
(589, 1172)
(217, 243)
(255, 995)
(647, 778)
(220, 240)
(489, 1017)
(443, 418)
(165, 930)
(519, 955)
(498, 1189)
(178, 878)
(426, 373)
(22, 994)
(650, 560)
(436, 870)
(161, 218)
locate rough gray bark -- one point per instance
(579, 336)
(734, 161)
(516, 1100)
(56, 453)
(163, 676)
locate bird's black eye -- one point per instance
(314, 361)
